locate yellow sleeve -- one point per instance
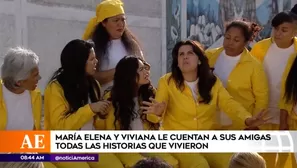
(37, 109)
(254, 51)
(129, 159)
(161, 95)
(232, 108)
(260, 88)
(56, 106)
(162, 90)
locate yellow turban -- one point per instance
(106, 9)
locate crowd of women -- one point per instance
(104, 83)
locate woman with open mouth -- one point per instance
(72, 99)
(112, 38)
(20, 99)
(188, 99)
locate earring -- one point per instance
(199, 62)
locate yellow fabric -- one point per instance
(55, 107)
(36, 106)
(191, 160)
(104, 10)
(183, 113)
(48, 165)
(130, 159)
(260, 49)
(218, 160)
(247, 82)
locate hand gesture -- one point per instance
(258, 120)
(153, 107)
(100, 108)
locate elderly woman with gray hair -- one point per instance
(20, 100)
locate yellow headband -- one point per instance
(105, 9)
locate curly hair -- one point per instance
(125, 89)
(249, 29)
(101, 38)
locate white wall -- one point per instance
(46, 26)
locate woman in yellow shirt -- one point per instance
(20, 100)
(132, 86)
(242, 75)
(188, 98)
(72, 99)
(288, 101)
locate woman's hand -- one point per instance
(100, 108)
(258, 120)
(153, 107)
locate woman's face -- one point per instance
(284, 33)
(143, 73)
(91, 63)
(115, 26)
(31, 82)
(187, 59)
(234, 41)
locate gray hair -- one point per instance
(18, 64)
(21, 165)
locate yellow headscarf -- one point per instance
(106, 9)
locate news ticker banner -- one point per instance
(26, 157)
(148, 141)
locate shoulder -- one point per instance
(213, 51)
(250, 58)
(165, 78)
(263, 42)
(37, 91)
(53, 86)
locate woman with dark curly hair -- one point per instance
(241, 74)
(113, 40)
(132, 85)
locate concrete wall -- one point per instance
(45, 26)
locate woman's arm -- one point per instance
(56, 106)
(260, 88)
(161, 96)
